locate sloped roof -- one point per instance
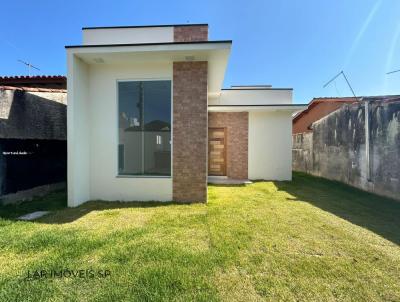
(316, 101)
(44, 81)
(33, 89)
(36, 77)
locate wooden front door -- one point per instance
(217, 151)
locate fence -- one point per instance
(343, 147)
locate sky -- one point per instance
(300, 44)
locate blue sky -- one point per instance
(286, 43)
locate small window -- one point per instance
(144, 128)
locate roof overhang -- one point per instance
(216, 53)
(145, 26)
(291, 108)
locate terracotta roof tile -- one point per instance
(316, 101)
(37, 81)
(55, 77)
(33, 89)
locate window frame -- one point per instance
(118, 175)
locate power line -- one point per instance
(393, 71)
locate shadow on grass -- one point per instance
(227, 185)
(71, 214)
(56, 203)
(378, 214)
(53, 201)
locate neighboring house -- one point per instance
(33, 148)
(317, 109)
(148, 118)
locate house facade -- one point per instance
(148, 119)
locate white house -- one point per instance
(148, 118)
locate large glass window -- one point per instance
(144, 128)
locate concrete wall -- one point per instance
(78, 126)
(33, 132)
(270, 143)
(337, 147)
(302, 151)
(153, 34)
(252, 97)
(128, 35)
(30, 194)
(33, 115)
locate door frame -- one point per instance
(225, 150)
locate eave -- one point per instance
(249, 108)
(216, 53)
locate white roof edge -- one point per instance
(144, 26)
(256, 89)
(207, 45)
(280, 107)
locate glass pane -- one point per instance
(157, 119)
(130, 105)
(157, 105)
(157, 150)
(144, 128)
(130, 126)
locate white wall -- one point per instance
(252, 97)
(98, 123)
(104, 135)
(128, 35)
(270, 145)
(78, 131)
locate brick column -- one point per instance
(190, 33)
(190, 131)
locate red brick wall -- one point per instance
(191, 33)
(190, 131)
(237, 128)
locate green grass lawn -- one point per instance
(306, 240)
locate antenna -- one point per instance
(393, 71)
(29, 66)
(347, 81)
